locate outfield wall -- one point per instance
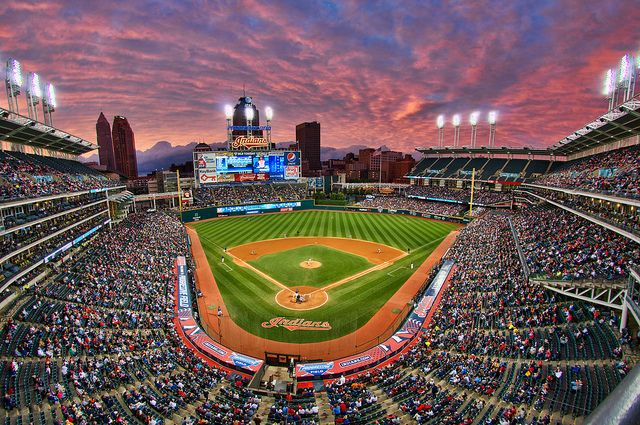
(288, 206)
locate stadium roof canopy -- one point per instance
(484, 150)
(620, 123)
(15, 128)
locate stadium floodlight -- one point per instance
(49, 103)
(473, 118)
(33, 86)
(609, 82)
(50, 96)
(34, 94)
(13, 83)
(14, 72)
(440, 121)
(268, 113)
(228, 111)
(248, 113)
(456, 130)
(492, 118)
(623, 74)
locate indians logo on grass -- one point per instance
(296, 324)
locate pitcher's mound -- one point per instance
(313, 298)
(310, 264)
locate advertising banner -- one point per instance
(206, 160)
(292, 158)
(291, 172)
(207, 176)
(197, 336)
(392, 346)
(251, 177)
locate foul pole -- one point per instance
(473, 181)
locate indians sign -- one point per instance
(296, 324)
(249, 142)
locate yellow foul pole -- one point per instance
(473, 181)
(179, 194)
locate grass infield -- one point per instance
(285, 266)
(250, 299)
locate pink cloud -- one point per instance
(372, 73)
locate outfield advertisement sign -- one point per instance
(194, 333)
(392, 346)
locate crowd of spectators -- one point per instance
(480, 196)
(97, 341)
(26, 177)
(24, 236)
(560, 245)
(622, 216)
(616, 172)
(249, 194)
(496, 336)
(103, 323)
(24, 214)
(413, 204)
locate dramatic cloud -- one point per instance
(372, 73)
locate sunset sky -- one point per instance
(372, 73)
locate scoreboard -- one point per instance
(243, 166)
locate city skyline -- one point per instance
(371, 74)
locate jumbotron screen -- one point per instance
(227, 167)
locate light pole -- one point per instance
(13, 83)
(473, 120)
(268, 113)
(49, 103)
(456, 130)
(34, 94)
(248, 113)
(228, 112)
(492, 118)
(440, 125)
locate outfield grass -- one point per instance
(285, 266)
(250, 299)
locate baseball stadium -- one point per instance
(487, 285)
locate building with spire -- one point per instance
(124, 147)
(240, 118)
(103, 135)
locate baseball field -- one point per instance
(344, 267)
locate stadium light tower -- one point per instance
(49, 103)
(456, 130)
(248, 113)
(34, 94)
(473, 120)
(440, 125)
(13, 83)
(626, 77)
(492, 118)
(228, 113)
(609, 87)
(268, 113)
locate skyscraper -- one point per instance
(124, 147)
(103, 134)
(308, 138)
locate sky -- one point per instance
(372, 72)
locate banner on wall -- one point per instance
(194, 333)
(392, 346)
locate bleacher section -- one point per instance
(31, 176)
